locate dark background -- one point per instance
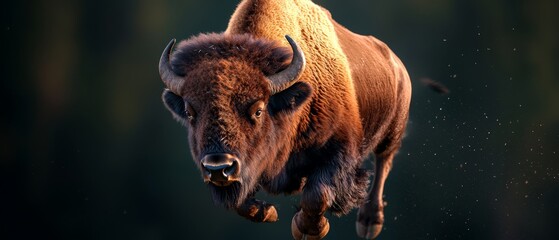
(89, 152)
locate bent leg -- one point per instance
(258, 211)
(339, 191)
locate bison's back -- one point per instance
(327, 69)
(382, 87)
(355, 78)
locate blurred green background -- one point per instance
(89, 152)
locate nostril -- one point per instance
(228, 171)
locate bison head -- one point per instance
(240, 99)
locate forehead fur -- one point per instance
(265, 55)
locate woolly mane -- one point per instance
(265, 55)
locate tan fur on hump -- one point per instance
(310, 26)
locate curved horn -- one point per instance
(170, 79)
(284, 79)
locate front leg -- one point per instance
(337, 184)
(309, 222)
(257, 211)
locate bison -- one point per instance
(289, 117)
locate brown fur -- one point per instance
(381, 81)
(352, 99)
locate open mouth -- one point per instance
(219, 180)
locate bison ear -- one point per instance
(290, 99)
(175, 104)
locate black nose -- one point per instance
(220, 168)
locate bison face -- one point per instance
(237, 96)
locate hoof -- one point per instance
(258, 211)
(369, 231)
(270, 214)
(370, 221)
(299, 235)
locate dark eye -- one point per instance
(256, 110)
(258, 113)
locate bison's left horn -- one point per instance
(284, 79)
(169, 77)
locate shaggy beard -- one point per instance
(230, 196)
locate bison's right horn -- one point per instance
(284, 79)
(166, 73)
